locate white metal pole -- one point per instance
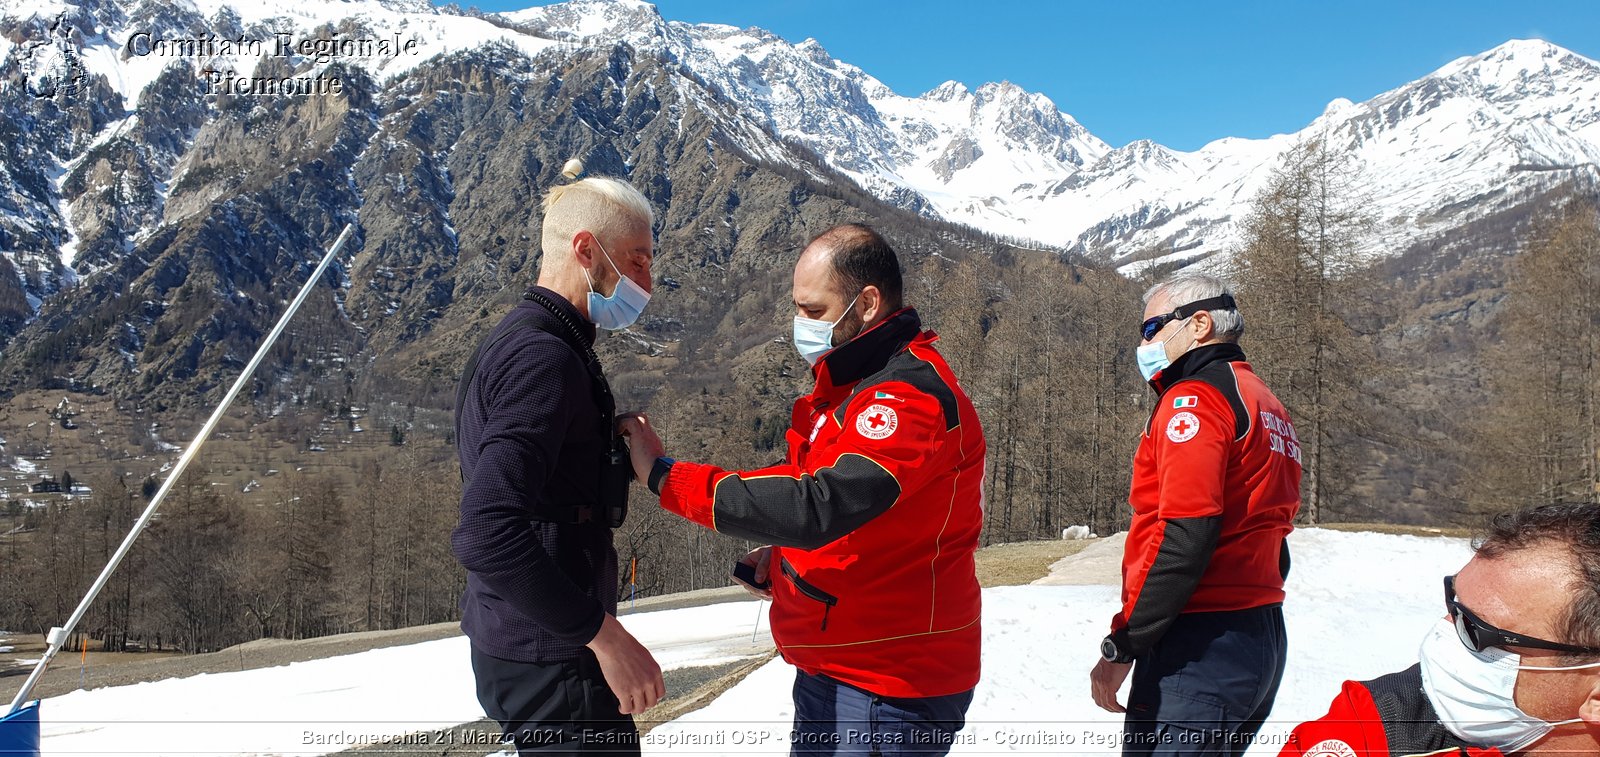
(59, 635)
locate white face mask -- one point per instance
(1474, 693)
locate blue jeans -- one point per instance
(1207, 686)
(833, 718)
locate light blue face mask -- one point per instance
(626, 302)
(813, 338)
(1152, 357)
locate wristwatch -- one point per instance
(1112, 652)
(658, 473)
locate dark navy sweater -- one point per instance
(529, 433)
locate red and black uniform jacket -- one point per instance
(1216, 485)
(1385, 717)
(875, 515)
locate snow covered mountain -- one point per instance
(171, 167)
(951, 152)
(1478, 135)
(1473, 137)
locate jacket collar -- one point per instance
(586, 328)
(1191, 363)
(869, 351)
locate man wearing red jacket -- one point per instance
(1216, 485)
(874, 517)
(1480, 689)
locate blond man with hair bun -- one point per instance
(544, 482)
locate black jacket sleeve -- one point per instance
(841, 485)
(1185, 552)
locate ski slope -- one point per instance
(1358, 606)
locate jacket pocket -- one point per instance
(810, 590)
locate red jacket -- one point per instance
(1405, 725)
(1216, 485)
(876, 516)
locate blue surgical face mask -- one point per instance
(626, 302)
(813, 338)
(1152, 357)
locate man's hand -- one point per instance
(1104, 682)
(759, 558)
(630, 671)
(644, 446)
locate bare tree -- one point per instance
(1298, 280)
(1538, 440)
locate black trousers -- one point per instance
(1207, 686)
(554, 708)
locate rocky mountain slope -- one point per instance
(156, 226)
(111, 138)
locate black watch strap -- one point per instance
(1111, 651)
(658, 473)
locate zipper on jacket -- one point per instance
(806, 588)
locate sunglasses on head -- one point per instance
(1155, 324)
(1478, 635)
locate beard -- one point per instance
(849, 328)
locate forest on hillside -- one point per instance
(1042, 343)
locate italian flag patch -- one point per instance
(1189, 401)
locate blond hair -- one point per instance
(605, 207)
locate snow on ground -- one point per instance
(1358, 606)
(8, 646)
(329, 705)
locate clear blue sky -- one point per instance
(1180, 73)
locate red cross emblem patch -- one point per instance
(1183, 427)
(1331, 748)
(877, 422)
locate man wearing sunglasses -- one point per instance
(1512, 667)
(1216, 486)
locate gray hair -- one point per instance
(1184, 288)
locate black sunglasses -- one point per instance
(1478, 635)
(1154, 324)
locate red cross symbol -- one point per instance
(876, 421)
(1182, 427)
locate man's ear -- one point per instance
(583, 248)
(1204, 328)
(1589, 711)
(871, 304)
